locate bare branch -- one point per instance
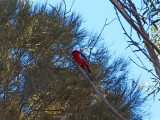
(151, 47)
(105, 24)
(143, 67)
(110, 107)
(65, 6)
(71, 7)
(55, 10)
(130, 21)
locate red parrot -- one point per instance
(81, 59)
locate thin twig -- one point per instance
(71, 7)
(55, 10)
(105, 24)
(143, 67)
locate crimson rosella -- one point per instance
(81, 59)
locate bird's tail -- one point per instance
(88, 74)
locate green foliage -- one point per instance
(37, 77)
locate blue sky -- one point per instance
(94, 15)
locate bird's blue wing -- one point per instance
(83, 58)
(88, 74)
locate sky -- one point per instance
(94, 15)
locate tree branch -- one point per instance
(151, 47)
(130, 21)
(109, 106)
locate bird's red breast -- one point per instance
(81, 62)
